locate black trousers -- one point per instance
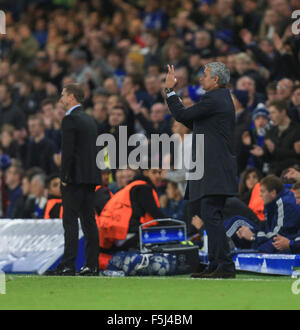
(78, 202)
(209, 209)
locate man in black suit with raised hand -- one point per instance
(79, 177)
(214, 117)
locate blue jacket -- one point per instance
(282, 217)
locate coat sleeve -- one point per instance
(68, 149)
(200, 110)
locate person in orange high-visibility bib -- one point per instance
(120, 218)
(54, 208)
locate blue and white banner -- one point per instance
(31, 246)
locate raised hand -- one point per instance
(171, 79)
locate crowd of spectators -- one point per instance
(118, 50)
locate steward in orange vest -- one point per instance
(102, 196)
(54, 208)
(256, 203)
(131, 206)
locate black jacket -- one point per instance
(213, 116)
(79, 135)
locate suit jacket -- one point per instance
(213, 116)
(79, 135)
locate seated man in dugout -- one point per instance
(282, 216)
(133, 205)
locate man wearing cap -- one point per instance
(255, 137)
(214, 118)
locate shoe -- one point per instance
(61, 271)
(201, 274)
(88, 271)
(218, 274)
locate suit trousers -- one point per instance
(78, 202)
(209, 209)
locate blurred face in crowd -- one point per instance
(266, 46)
(128, 175)
(152, 85)
(172, 190)
(100, 112)
(48, 111)
(111, 85)
(284, 89)
(246, 84)
(271, 17)
(157, 113)
(260, 122)
(54, 187)
(202, 39)
(36, 187)
(297, 196)
(272, 95)
(242, 65)
(59, 112)
(154, 175)
(4, 95)
(296, 97)
(251, 180)
(105, 177)
(6, 138)
(277, 117)
(116, 117)
(35, 127)
(12, 177)
(182, 77)
(25, 186)
(120, 179)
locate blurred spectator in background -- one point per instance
(13, 176)
(53, 208)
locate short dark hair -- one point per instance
(272, 182)
(49, 100)
(50, 178)
(76, 90)
(279, 105)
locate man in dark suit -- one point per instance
(79, 177)
(213, 116)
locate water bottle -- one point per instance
(113, 273)
(205, 241)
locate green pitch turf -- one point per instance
(245, 292)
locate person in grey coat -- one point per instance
(214, 176)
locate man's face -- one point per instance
(284, 89)
(54, 188)
(297, 196)
(116, 117)
(267, 196)
(207, 81)
(154, 175)
(157, 113)
(65, 99)
(48, 111)
(260, 122)
(276, 116)
(11, 176)
(105, 178)
(296, 97)
(35, 128)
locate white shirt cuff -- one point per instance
(170, 94)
